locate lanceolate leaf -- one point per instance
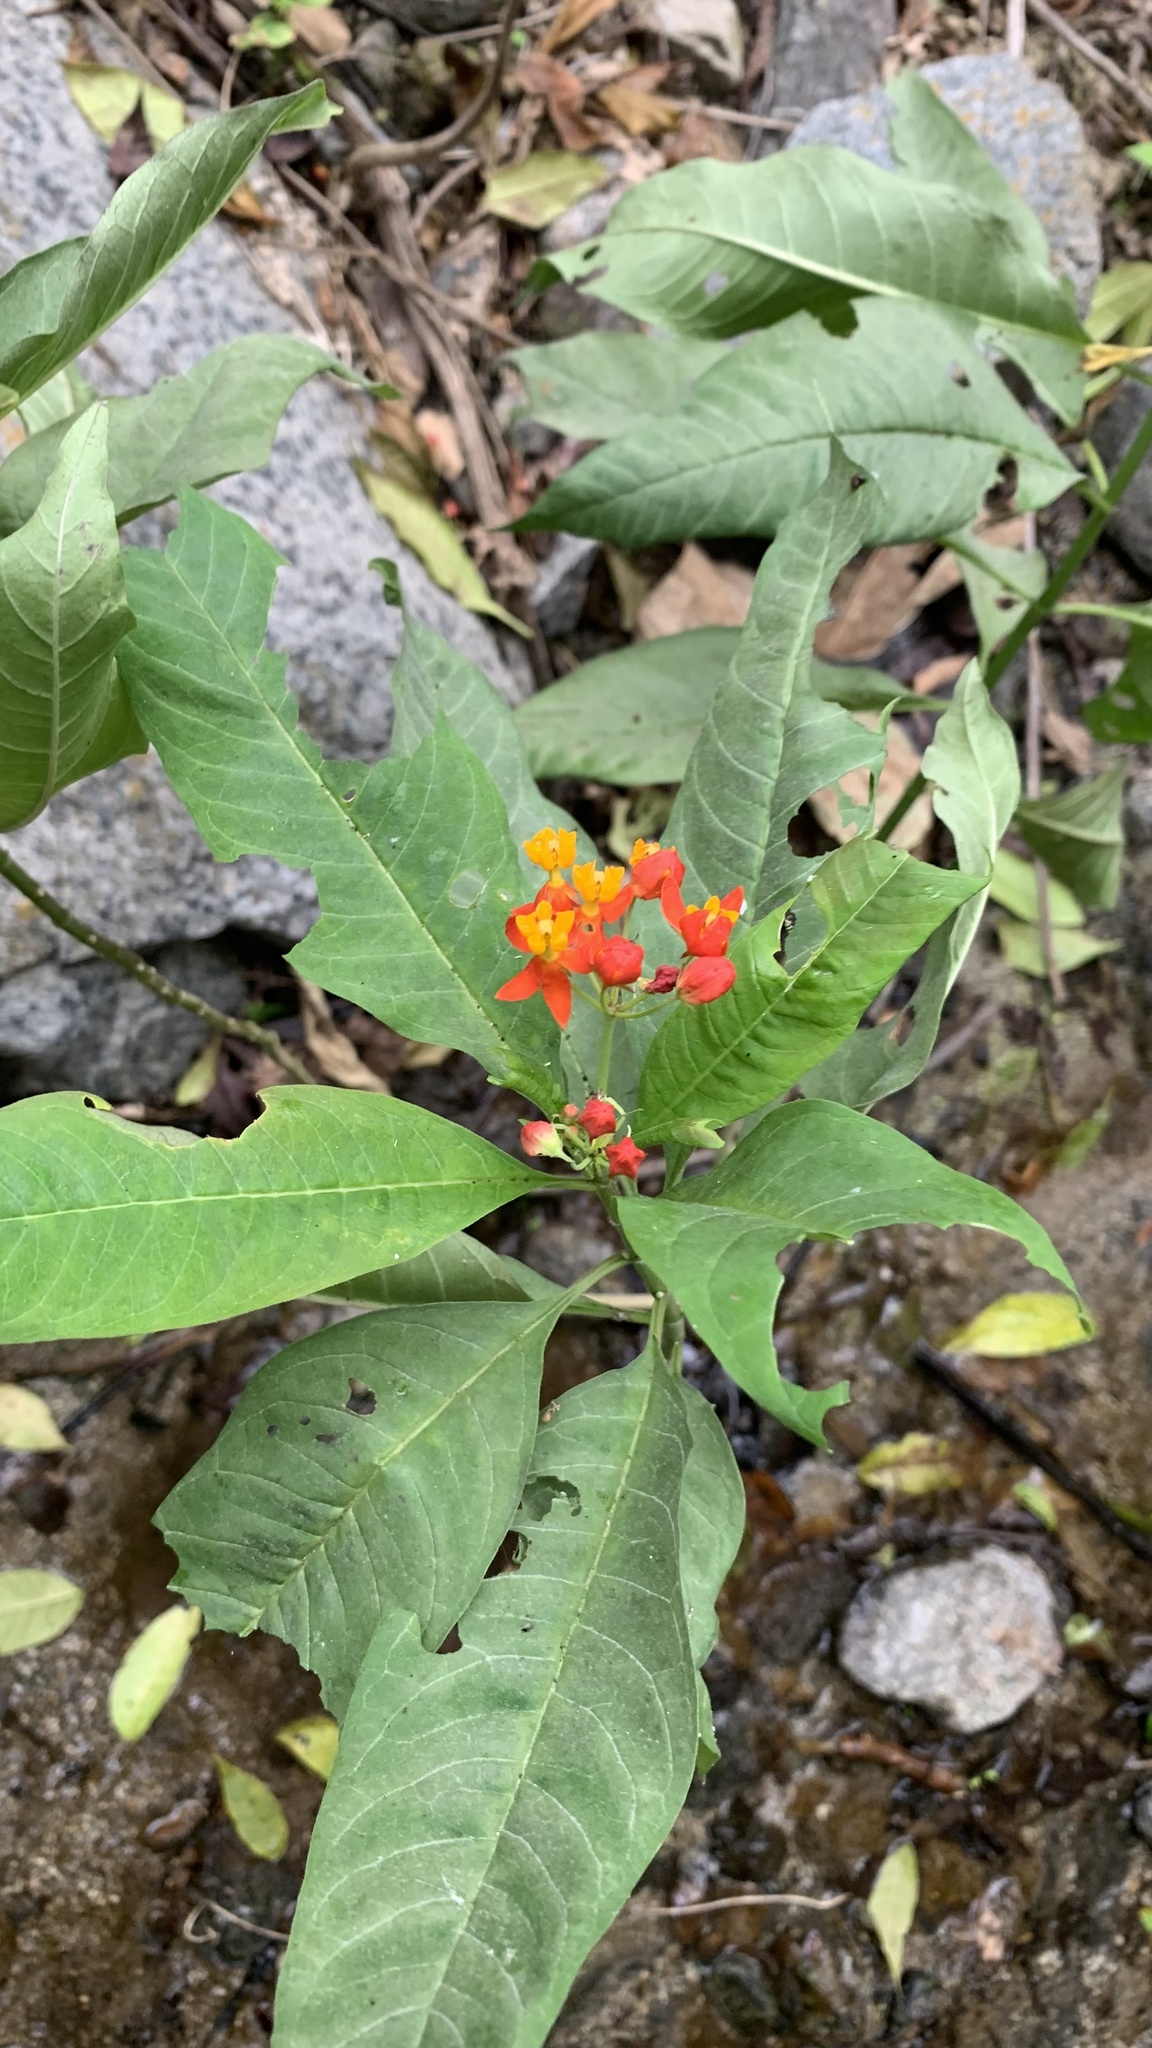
(414, 865)
(62, 613)
(490, 1810)
(972, 765)
(1078, 834)
(595, 385)
(55, 304)
(712, 249)
(908, 394)
(711, 1526)
(375, 1465)
(217, 420)
(168, 1229)
(809, 1169)
(460, 1268)
(767, 741)
(726, 1058)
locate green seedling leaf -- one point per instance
(169, 1233)
(1034, 1497)
(253, 1809)
(1122, 714)
(1023, 948)
(27, 1422)
(711, 1526)
(522, 1783)
(1145, 1918)
(595, 385)
(150, 1671)
(312, 1741)
(62, 616)
(543, 187)
(808, 1169)
(909, 396)
(1022, 1326)
(1082, 1139)
(425, 530)
(218, 419)
(412, 930)
(1013, 886)
(723, 1059)
(891, 1905)
(912, 1466)
(375, 1465)
(1078, 836)
(55, 304)
(35, 1607)
(1086, 1636)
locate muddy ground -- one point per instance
(1032, 1878)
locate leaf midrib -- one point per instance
(400, 1187)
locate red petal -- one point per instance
(556, 990)
(522, 985)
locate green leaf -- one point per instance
(458, 1269)
(725, 1058)
(1022, 1326)
(713, 249)
(1023, 948)
(595, 385)
(312, 1741)
(972, 766)
(808, 1169)
(1122, 305)
(767, 741)
(711, 1521)
(1001, 584)
(62, 614)
(423, 528)
(35, 1607)
(150, 1671)
(253, 1809)
(544, 186)
(411, 929)
(217, 420)
(909, 395)
(1013, 885)
(55, 304)
(491, 1810)
(891, 1905)
(1122, 714)
(64, 395)
(168, 1230)
(375, 1465)
(27, 1422)
(1078, 836)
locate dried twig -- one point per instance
(233, 1919)
(1041, 11)
(140, 62)
(870, 1749)
(208, 51)
(373, 156)
(780, 124)
(951, 1047)
(748, 1899)
(141, 970)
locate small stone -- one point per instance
(826, 48)
(971, 1641)
(590, 215)
(37, 1009)
(820, 1490)
(376, 55)
(562, 583)
(707, 31)
(1142, 1814)
(1138, 1683)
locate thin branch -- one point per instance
(142, 63)
(749, 1899)
(1041, 11)
(373, 156)
(208, 51)
(233, 1919)
(140, 969)
(958, 1041)
(1032, 790)
(779, 124)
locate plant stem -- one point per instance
(139, 968)
(605, 1067)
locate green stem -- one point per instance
(142, 971)
(605, 1067)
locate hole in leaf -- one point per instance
(273, 1429)
(540, 1493)
(325, 1439)
(348, 796)
(304, 1421)
(361, 1400)
(89, 1102)
(1004, 603)
(857, 483)
(960, 377)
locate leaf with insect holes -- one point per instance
(35, 1607)
(312, 1741)
(27, 1422)
(151, 1669)
(1022, 1326)
(253, 1809)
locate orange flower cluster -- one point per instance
(565, 928)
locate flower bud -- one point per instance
(702, 980)
(652, 866)
(541, 1141)
(624, 1158)
(598, 1118)
(618, 962)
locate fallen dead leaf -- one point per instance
(901, 764)
(438, 432)
(334, 1054)
(545, 185)
(1070, 741)
(870, 602)
(242, 204)
(936, 673)
(696, 592)
(563, 94)
(574, 17)
(321, 30)
(698, 136)
(635, 103)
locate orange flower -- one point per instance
(553, 850)
(704, 978)
(542, 930)
(599, 900)
(652, 866)
(624, 1158)
(705, 931)
(618, 962)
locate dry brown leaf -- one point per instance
(696, 592)
(1069, 740)
(870, 603)
(438, 432)
(901, 763)
(698, 136)
(941, 576)
(321, 30)
(634, 101)
(574, 17)
(334, 1054)
(564, 95)
(242, 204)
(936, 673)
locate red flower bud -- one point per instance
(618, 962)
(624, 1158)
(598, 1117)
(541, 1141)
(702, 980)
(662, 982)
(652, 866)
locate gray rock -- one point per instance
(377, 55)
(707, 31)
(590, 215)
(824, 49)
(562, 585)
(817, 1489)
(971, 1640)
(1131, 523)
(1030, 130)
(1142, 1814)
(437, 17)
(37, 1009)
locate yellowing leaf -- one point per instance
(1021, 947)
(912, 1465)
(1013, 886)
(426, 531)
(27, 1422)
(891, 1905)
(199, 1079)
(312, 1741)
(543, 187)
(150, 1671)
(105, 95)
(163, 113)
(1033, 1495)
(638, 111)
(574, 17)
(35, 1607)
(253, 1809)
(1023, 1326)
